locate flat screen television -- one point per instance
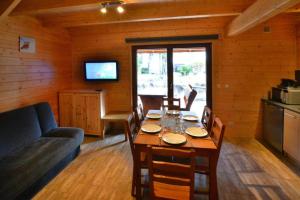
(101, 70)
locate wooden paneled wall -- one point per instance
(27, 78)
(108, 42)
(245, 67)
(298, 45)
(250, 64)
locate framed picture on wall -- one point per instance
(27, 44)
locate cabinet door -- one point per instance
(65, 109)
(291, 134)
(93, 113)
(298, 144)
(273, 125)
(79, 111)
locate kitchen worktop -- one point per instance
(295, 108)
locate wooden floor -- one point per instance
(246, 170)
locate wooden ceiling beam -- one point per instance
(257, 13)
(144, 12)
(6, 7)
(34, 7)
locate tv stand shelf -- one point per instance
(82, 109)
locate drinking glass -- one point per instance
(163, 127)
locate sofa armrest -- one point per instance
(67, 132)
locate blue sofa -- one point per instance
(33, 150)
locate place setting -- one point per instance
(179, 138)
(190, 118)
(174, 133)
(173, 138)
(166, 135)
(197, 132)
(151, 128)
(154, 116)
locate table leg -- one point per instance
(133, 186)
(102, 127)
(125, 129)
(138, 173)
(213, 185)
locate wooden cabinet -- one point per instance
(291, 144)
(83, 109)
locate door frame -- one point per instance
(169, 47)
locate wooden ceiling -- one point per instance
(72, 13)
(75, 13)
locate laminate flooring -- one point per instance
(103, 170)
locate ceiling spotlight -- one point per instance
(103, 10)
(120, 9)
(109, 4)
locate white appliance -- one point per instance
(291, 96)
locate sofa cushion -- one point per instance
(18, 128)
(76, 133)
(21, 169)
(46, 117)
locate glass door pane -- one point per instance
(152, 78)
(189, 68)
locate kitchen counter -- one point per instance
(294, 108)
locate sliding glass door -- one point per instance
(152, 71)
(189, 71)
(172, 70)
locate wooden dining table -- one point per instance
(202, 146)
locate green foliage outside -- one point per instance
(185, 70)
(144, 70)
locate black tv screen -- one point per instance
(101, 70)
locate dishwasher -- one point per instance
(273, 125)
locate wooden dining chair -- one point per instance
(202, 163)
(188, 100)
(139, 115)
(141, 107)
(207, 117)
(171, 180)
(170, 103)
(132, 132)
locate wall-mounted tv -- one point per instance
(101, 70)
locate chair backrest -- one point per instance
(189, 100)
(141, 106)
(171, 173)
(207, 118)
(139, 115)
(171, 103)
(131, 131)
(217, 133)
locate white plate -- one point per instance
(172, 138)
(190, 118)
(151, 128)
(196, 132)
(173, 112)
(153, 116)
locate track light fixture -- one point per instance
(120, 9)
(117, 4)
(103, 10)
